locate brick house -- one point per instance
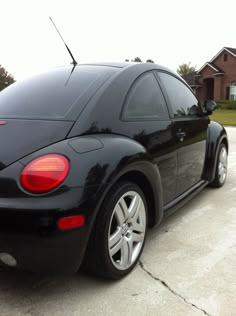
(216, 80)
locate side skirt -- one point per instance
(172, 206)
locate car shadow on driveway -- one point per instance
(25, 293)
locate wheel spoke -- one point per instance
(134, 207)
(221, 156)
(138, 227)
(117, 246)
(138, 216)
(115, 237)
(221, 177)
(220, 169)
(126, 252)
(137, 237)
(224, 156)
(124, 208)
(222, 166)
(119, 215)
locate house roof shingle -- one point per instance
(191, 79)
(232, 50)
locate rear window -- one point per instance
(53, 95)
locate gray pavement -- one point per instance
(187, 268)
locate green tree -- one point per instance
(186, 69)
(150, 61)
(137, 60)
(5, 78)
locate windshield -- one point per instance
(52, 95)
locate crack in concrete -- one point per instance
(170, 289)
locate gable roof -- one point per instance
(218, 69)
(230, 50)
(213, 66)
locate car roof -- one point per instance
(128, 64)
(120, 66)
(108, 64)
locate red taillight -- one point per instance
(70, 222)
(44, 173)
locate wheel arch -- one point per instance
(216, 135)
(143, 182)
(225, 141)
(147, 177)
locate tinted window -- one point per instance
(183, 101)
(51, 95)
(145, 100)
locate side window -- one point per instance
(183, 101)
(145, 100)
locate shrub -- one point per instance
(226, 104)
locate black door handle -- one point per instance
(181, 135)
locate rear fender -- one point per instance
(98, 161)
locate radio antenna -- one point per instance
(74, 62)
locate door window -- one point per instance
(182, 99)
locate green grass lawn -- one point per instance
(224, 117)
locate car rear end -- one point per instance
(45, 211)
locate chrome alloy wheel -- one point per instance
(127, 230)
(222, 165)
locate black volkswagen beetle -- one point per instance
(93, 156)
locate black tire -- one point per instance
(221, 166)
(99, 259)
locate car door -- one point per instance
(145, 113)
(189, 130)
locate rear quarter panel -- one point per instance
(97, 169)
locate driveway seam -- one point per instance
(170, 289)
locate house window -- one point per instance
(225, 57)
(232, 91)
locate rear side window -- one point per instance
(145, 100)
(183, 101)
(52, 95)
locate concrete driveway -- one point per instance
(188, 268)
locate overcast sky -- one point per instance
(170, 32)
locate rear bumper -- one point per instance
(50, 255)
(30, 234)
